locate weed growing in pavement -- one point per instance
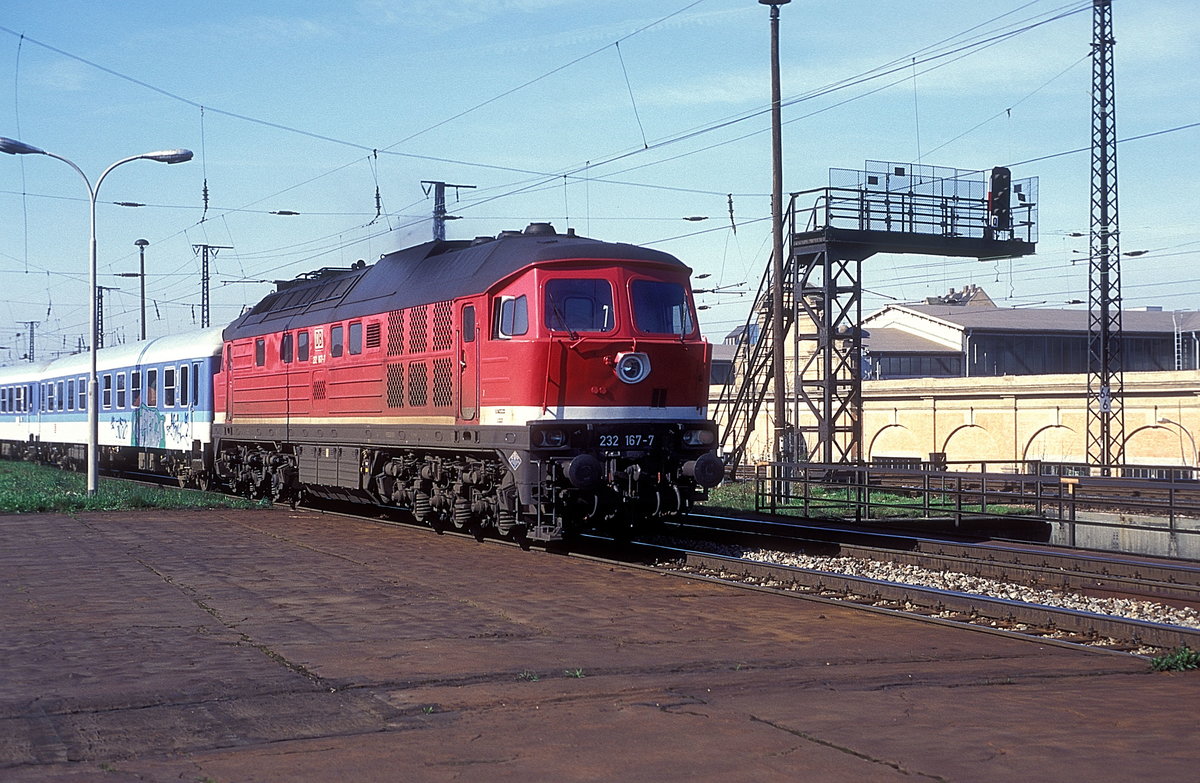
(428, 709)
(528, 676)
(576, 673)
(1178, 660)
(27, 488)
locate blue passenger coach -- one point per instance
(155, 407)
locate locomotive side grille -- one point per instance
(318, 390)
(443, 334)
(395, 333)
(395, 385)
(418, 384)
(374, 336)
(658, 398)
(443, 388)
(418, 328)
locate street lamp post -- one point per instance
(1195, 455)
(14, 147)
(141, 273)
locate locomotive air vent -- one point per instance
(540, 229)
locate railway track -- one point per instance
(1028, 619)
(1147, 605)
(1055, 568)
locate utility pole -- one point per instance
(141, 274)
(206, 252)
(777, 326)
(100, 289)
(141, 246)
(1106, 413)
(31, 325)
(439, 205)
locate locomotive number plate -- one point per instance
(627, 441)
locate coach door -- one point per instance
(468, 379)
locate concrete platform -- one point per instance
(290, 646)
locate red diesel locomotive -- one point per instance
(532, 384)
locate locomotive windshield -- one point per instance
(661, 308)
(579, 305)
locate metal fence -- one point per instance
(1150, 497)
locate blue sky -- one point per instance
(618, 118)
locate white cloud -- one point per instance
(62, 76)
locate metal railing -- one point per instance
(1031, 490)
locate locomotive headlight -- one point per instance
(632, 367)
(699, 438)
(551, 439)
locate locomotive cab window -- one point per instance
(302, 346)
(356, 338)
(662, 308)
(579, 306)
(512, 317)
(260, 352)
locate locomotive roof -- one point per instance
(431, 272)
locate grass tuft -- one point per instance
(1178, 660)
(26, 488)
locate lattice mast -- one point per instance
(1106, 414)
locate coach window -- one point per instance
(82, 403)
(135, 387)
(356, 335)
(185, 386)
(168, 387)
(512, 317)
(48, 396)
(302, 346)
(195, 383)
(106, 391)
(336, 340)
(152, 388)
(121, 390)
(70, 399)
(260, 352)
(285, 348)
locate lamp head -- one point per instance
(14, 147)
(169, 156)
(141, 243)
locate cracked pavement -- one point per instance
(278, 645)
